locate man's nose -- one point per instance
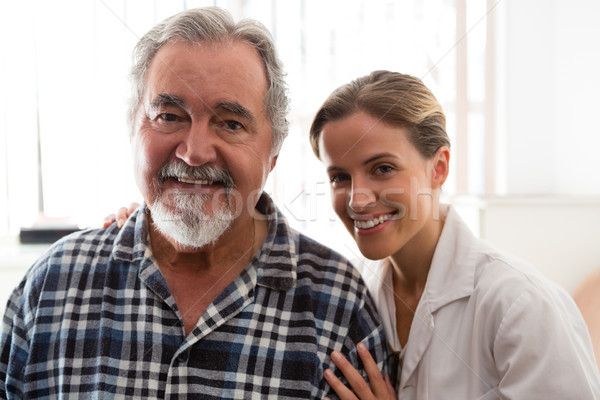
(198, 145)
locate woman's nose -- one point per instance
(361, 198)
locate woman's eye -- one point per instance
(384, 169)
(337, 179)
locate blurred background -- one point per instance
(518, 80)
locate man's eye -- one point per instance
(233, 125)
(168, 117)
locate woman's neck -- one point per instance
(412, 262)
(410, 267)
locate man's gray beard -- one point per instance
(188, 224)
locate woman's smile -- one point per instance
(369, 222)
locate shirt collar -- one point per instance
(132, 240)
(275, 262)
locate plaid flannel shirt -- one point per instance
(94, 318)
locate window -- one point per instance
(64, 147)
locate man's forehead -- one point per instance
(185, 72)
(234, 59)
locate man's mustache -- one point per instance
(179, 169)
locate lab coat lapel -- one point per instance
(451, 277)
(421, 332)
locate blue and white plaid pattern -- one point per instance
(94, 318)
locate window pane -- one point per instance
(73, 68)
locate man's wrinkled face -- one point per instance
(202, 139)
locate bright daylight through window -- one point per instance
(64, 147)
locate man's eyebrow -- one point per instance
(164, 99)
(235, 108)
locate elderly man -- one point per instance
(206, 292)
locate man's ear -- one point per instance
(440, 167)
(134, 124)
(273, 162)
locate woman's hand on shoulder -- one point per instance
(121, 216)
(380, 387)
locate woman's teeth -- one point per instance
(195, 181)
(368, 224)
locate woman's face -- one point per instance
(384, 191)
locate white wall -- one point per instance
(548, 93)
(550, 80)
(577, 61)
(558, 234)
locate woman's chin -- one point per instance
(373, 252)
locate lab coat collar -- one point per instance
(452, 273)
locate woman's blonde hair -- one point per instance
(397, 100)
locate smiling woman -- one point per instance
(387, 161)
(399, 177)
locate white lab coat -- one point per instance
(488, 326)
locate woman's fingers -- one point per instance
(380, 388)
(109, 220)
(354, 378)
(121, 216)
(390, 388)
(338, 386)
(132, 208)
(124, 213)
(378, 385)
